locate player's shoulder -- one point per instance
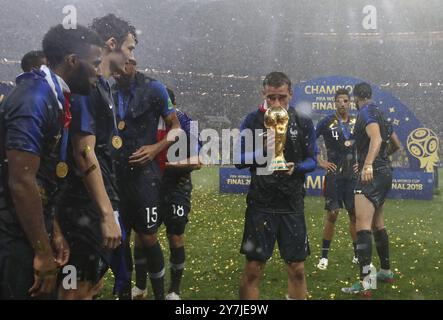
(327, 119)
(371, 113)
(248, 120)
(151, 84)
(32, 91)
(303, 119)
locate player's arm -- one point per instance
(251, 154)
(83, 145)
(192, 160)
(394, 144)
(309, 163)
(373, 132)
(149, 152)
(23, 167)
(60, 245)
(324, 164)
(83, 130)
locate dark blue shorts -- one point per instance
(262, 230)
(140, 201)
(339, 192)
(378, 189)
(81, 226)
(175, 217)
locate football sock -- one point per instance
(382, 244)
(141, 269)
(364, 250)
(325, 248)
(177, 261)
(156, 269)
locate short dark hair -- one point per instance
(171, 95)
(59, 42)
(31, 60)
(363, 90)
(341, 91)
(276, 80)
(111, 26)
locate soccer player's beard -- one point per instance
(79, 82)
(124, 81)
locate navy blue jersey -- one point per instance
(30, 121)
(368, 114)
(140, 108)
(93, 115)
(176, 183)
(339, 141)
(277, 192)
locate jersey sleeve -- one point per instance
(161, 98)
(309, 163)
(369, 115)
(26, 124)
(246, 158)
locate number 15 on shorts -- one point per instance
(151, 217)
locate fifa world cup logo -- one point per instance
(277, 119)
(423, 145)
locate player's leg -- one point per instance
(258, 243)
(90, 261)
(147, 200)
(140, 291)
(365, 211)
(332, 206)
(177, 263)
(250, 281)
(176, 217)
(155, 263)
(353, 232)
(294, 249)
(382, 245)
(124, 285)
(328, 233)
(297, 287)
(349, 201)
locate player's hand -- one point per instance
(291, 166)
(367, 174)
(112, 234)
(328, 166)
(143, 155)
(61, 249)
(45, 274)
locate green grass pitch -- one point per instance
(214, 264)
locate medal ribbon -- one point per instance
(344, 129)
(63, 98)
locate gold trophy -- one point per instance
(277, 119)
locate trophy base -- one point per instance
(278, 165)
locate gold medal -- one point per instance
(347, 143)
(61, 170)
(121, 125)
(117, 142)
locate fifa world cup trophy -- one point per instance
(277, 119)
